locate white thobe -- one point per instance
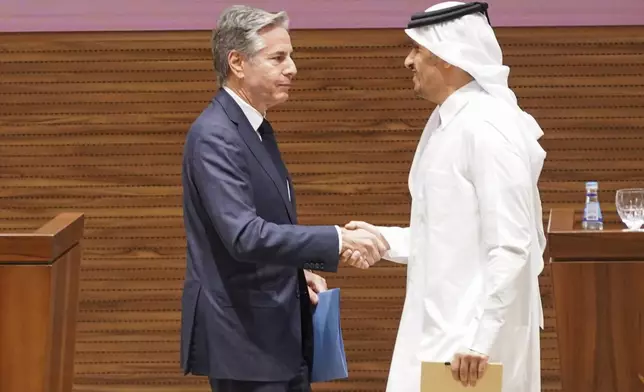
(474, 245)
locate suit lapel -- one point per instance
(251, 139)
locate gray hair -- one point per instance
(238, 29)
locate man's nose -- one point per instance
(409, 62)
(291, 69)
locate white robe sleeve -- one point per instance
(398, 239)
(503, 184)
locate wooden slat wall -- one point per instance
(95, 122)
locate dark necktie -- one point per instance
(269, 142)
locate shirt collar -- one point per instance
(455, 102)
(255, 118)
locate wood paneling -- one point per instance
(95, 122)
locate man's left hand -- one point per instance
(316, 284)
(468, 367)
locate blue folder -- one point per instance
(329, 360)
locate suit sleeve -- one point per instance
(503, 187)
(223, 182)
(398, 239)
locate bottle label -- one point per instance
(592, 212)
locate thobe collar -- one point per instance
(255, 118)
(455, 102)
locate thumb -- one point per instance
(353, 225)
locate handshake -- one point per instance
(362, 245)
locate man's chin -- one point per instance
(277, 99)
(281, 97)
(418, 92)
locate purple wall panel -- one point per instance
(82, 15)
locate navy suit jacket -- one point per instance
(245, 307)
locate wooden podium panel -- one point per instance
(39, 285)
(598, 279)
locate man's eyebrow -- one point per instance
(280, 52)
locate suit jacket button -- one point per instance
(297, 294)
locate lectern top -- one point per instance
(568, 244)
(46, 244)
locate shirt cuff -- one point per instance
(486, 336)
(339, 239)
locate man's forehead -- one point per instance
(411, 42)
(419, 47)
(276, 39)
(278, 48)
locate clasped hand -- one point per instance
(362, 245)
(468, 367)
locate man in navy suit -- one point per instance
(246, 305)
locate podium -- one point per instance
(598, 279)
(39, 285)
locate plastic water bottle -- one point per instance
(593, 219)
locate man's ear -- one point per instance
(236, 63)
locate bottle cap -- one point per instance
(592, 184)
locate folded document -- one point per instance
(329, 360)
(437, 377)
